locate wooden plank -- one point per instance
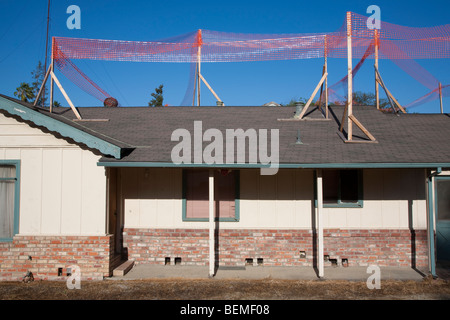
(210, 89)
(52, 65)
(349, 76)
(91, 120)
(388, 96)
(326, 89)
(123, 269)
(381, 82)
(65, 96)
(304, 119)
(344, 139)
(195, 84)
(199, 53)
(377, 94)
(363, 129)
(321, 90)
(312, 96)
(341, 127)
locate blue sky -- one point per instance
(23, 27)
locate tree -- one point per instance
(293, 102)
(56, 104)
(38, 76)
(24, 92)
(158, 99)
(369, 99)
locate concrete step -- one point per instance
(123, 268)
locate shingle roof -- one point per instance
(146, 132)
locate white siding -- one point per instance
(62, 190)
(153, 199)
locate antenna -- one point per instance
(46, 45)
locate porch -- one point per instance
(152, 271)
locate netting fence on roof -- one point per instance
(403, 45)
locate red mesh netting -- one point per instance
(398, 43)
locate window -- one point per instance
(9, 199)
(342, 188)
(196, 195)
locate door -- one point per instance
(443, 219)
(114, 209)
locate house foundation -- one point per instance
(277, 247)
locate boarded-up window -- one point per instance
(196, 192)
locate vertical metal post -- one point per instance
(211, 223)
(440, 97)
(349, 77)
(431, 244)
(46, 49)
(319, 220)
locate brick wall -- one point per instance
(278, 247)
(43, 255)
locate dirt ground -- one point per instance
(214, 289)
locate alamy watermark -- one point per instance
(230, 149)
(374, 21)
(374, 280)
(74, 20)
(74, 280)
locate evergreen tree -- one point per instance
(38, 76)
(158, 99)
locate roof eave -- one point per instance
(65, 130)
(399, 165)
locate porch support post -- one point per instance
(319, 222)
(211, 223)
(431, 239)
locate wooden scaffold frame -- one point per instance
(199, 77)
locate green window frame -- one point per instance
(342, 176)
(16, 179)
(223, 219)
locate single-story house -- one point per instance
(109, 187)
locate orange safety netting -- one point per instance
(398, 43)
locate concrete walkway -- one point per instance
(142, 271)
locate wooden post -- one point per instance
(199, 53)
(326, 79)
(341, 127)
(195, 84)
(211, 223)
(349, 76)
(210, 89)
(312, 96)
(52, 65)
(388, 93)
(440, 97)
(66, 96)
(319, 224)
(377, 95)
